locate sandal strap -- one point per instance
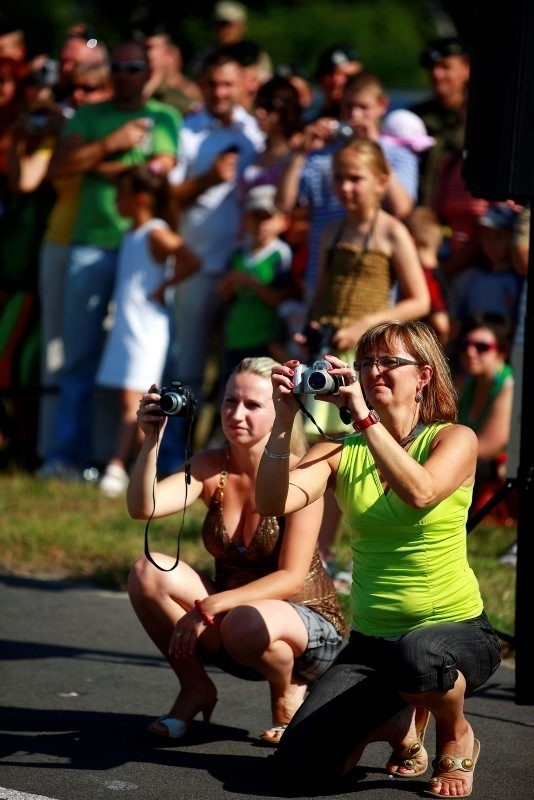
(446, 763)
(277, 728)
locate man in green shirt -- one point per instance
(100, 141)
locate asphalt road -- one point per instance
(79, 683)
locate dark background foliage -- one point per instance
(388, 34)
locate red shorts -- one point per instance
(434, 282)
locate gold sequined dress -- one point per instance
(236, 566)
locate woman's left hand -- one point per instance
(185, 636)
(350, 393)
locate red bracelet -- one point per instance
(206, 619)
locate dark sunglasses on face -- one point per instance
(480, 347)
(131, 67)
(383, 364)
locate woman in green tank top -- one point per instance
(420, 639)
(485, 388)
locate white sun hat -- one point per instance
(406, 128)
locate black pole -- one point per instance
(524, 605)
(499, 165)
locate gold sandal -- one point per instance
(277, 732)
(445, 763)
(408, 756)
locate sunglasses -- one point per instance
(131, 67)
(383, 364)
(480, 347)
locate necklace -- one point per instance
(414, 433)
(223, 477)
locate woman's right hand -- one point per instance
(149, 416)
(285, 403)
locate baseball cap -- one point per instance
(498, 217)
(441, 48)
(407, 129)
(335, 56)
(229, 11)
(262, 198)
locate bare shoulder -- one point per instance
(456, 435)
(165, 239)
(388, 230)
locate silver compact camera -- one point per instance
(316, 379)
(341, 130)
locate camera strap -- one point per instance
(187, 471)
(341, 437)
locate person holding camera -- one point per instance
(419, 638)
(308, 177)
(151, 258)
(271, 611)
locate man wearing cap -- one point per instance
(335, 65)
(230, 20)
(447, 62)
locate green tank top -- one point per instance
(410, 565)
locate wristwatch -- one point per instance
(362, 424)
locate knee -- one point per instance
(424, 664)
(244, 631)
(142, 583)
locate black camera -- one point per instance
(316, 379)
(319, 339)
(177, 400)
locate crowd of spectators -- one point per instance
(246, 149)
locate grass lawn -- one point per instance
(72, 531)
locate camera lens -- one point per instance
(317, 381)
(172, 403)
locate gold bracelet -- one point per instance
(278, 456)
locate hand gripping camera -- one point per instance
(316, 379)
(177, 400)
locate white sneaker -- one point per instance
(114, 481)
(510, 555)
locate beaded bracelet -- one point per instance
(279, 456)
(206, 618)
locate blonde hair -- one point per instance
(370, 152)
(364, 81)
(425, 227)
(262, 367)
(439, 401)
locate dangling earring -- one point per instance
(418, 397)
